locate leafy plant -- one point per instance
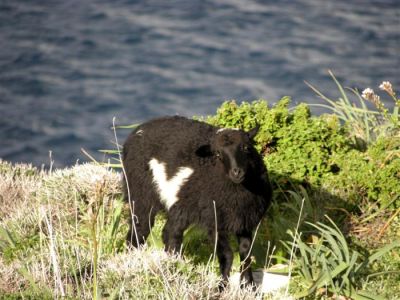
(369, 176)
(327, 264)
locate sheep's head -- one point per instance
(232, 148)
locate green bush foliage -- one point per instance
(317, 151)
(372, 175)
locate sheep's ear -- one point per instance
(204, 151)
(252, 133)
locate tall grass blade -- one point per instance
(6, 236)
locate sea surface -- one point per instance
(67, 68)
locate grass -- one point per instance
(329, 265)
(62, 232)
(62, 235)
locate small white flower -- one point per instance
(368, 94)
(387, 87)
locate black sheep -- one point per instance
(182, 166)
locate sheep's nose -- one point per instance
(236, 175)
(236, 172)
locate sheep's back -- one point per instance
(169, 139)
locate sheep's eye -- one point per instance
(218, 154)
(246, 148)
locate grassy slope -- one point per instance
(58, 227)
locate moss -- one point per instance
(28, 294)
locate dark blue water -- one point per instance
(68, 67)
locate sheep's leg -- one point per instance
(244, 240)
(225, 258)
(174, 228)
(144, 221)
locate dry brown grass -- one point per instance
(47, 246)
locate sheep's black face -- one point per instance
(233, 148)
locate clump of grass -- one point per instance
(42, 237)
(328, 265)
(367, 125)
(149, 273)
(17, 182)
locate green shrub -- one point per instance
(295, 145)
(373, 175)
(317, 151)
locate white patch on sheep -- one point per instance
(168, 189)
